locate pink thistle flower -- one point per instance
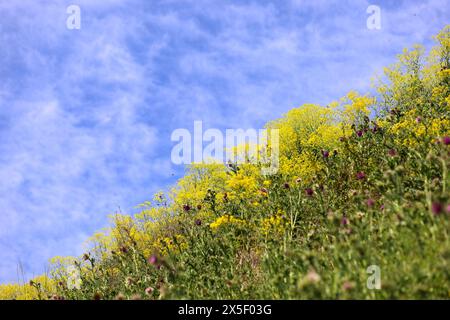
(360, 175)
(149, 291)
(392, 152)
(370, 202)
(347, 285)
(446, 140)
(345, 221)
(123, 249)
(312, 277)
(153, 259)
(436, 208)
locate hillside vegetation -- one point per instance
(362, 182)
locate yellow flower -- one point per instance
(275, 223)
(240, 182)
(356, 105)
(225, 219)
(165, 245)
(28, 292)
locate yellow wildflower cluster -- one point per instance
(307, 130)
(412, 131)
(225, 220)
(356, 106)
(42, 289)
(193, 188)
(241, 182)
(173, 245)
(274, 224)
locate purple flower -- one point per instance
(346, 286)
(124, 249)
(359, 133)
(446, 140)
(392, 152)
(325, 153)
(448, 208)
(345, 221)
(360, 175)
(382, 207)
(186, 207)
(370, 202)
(436, 208)
(286, 185)
(198, 222)
(309, 192)
(149, 291)
(153, 259)
(97, 296)
(418, 119)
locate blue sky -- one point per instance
(86, 115)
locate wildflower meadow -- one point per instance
(359, 208)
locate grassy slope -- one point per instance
(351, 192)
